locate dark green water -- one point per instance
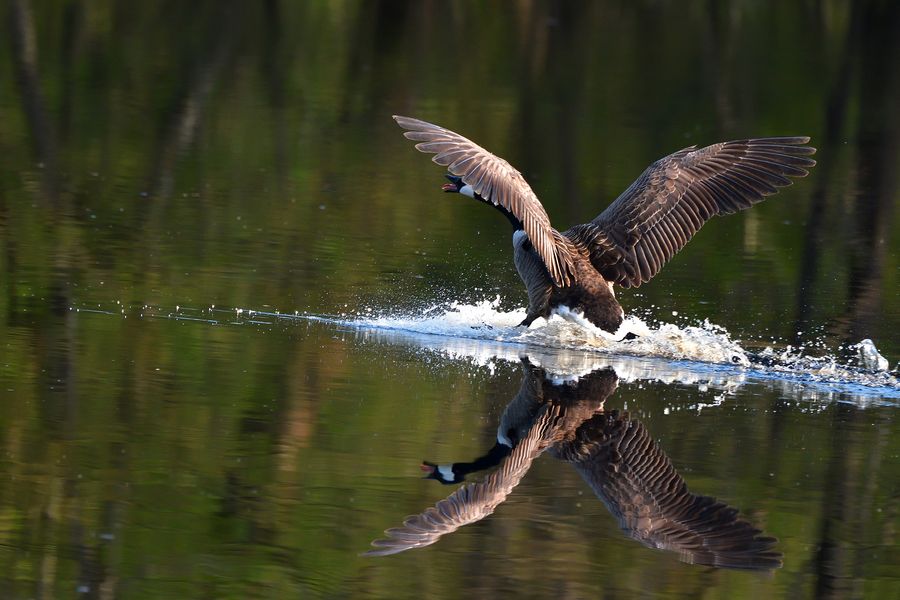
(163, 164)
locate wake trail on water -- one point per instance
(568, 346)
(485, 323)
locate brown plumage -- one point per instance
(618, 458)
(629, 472)
(630, 241)
(473, 501)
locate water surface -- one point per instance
(237, 312)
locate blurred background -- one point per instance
(156, 156)
(223, 152)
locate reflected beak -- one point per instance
(454, 185)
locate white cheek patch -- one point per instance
(467, 190)
(446, 472)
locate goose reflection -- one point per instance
(616, 456)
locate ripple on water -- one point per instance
(568, 346)
(705, 342)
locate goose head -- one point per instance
(446, 474)
(457, 186)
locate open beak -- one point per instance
(427, 468)
(454, 185)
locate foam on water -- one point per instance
(568, 346)
(567, 329)
(482, 332)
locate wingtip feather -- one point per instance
(406, 122)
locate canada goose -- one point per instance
(617, 457)
(630, 241)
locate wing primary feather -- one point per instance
(498, 184)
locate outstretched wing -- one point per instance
(634, 478)
(498, 183)
(656, 216)
(472, 502)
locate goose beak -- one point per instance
(455, 183)
(428, 469)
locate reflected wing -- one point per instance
(635, 479)
(471, 502)
(499, 184)
(657, 215)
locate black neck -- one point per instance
(493, 457)
(513, 220)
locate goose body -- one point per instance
(630, 241)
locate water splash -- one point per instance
(869, 357)
(566, 329)
(482, 332)
(567, 345)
